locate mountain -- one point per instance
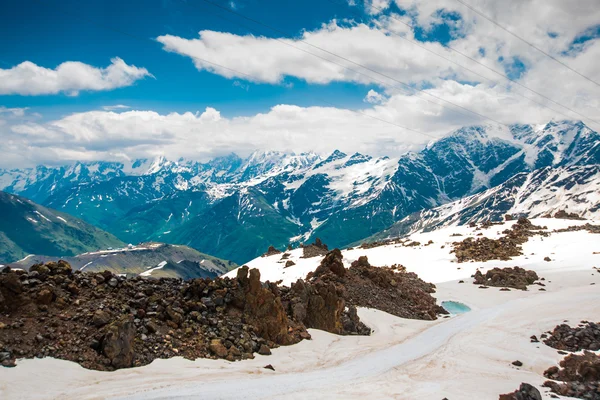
(28, 228)
(274, 198)
(148, 259)
(574, 189)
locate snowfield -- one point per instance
(464, 357)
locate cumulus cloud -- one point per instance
(269, 60)
(69, 77)
(109, 135)
(374, 97)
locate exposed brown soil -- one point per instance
(517, 278)
(503, 248)
(579, 376)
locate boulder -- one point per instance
(118, 341)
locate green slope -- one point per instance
(238, 228)
(28, 228)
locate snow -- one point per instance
(460, 358)
(43, 216)
(149, 271)
(62, 219)
(436, 264)
(82, 268)
(32, 220)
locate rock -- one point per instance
(152, 326)
(289, 263)
(548, 259)
(516, 277)
(100, 318)
(517, 363)
(217, 348)
(264, 350)
(117, 344)
(45, 297)
(271, 251)
(525, 392)
(113, 282)
(269, 366)
(534, 339)
(583, 337)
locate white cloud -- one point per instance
(374, 97)
(69, 77)
(268, 60)
(116, 107)
(15, 112)
(107, 135)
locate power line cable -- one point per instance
(353, 62)
(526, 41)
(251, 78)
(483, 65)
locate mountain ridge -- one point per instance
(340, 198)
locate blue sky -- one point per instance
(64, 62)
(62, 31)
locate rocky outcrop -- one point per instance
(262, 308)
(271, 251)
(318, 248)
(579, 376)
(516, 277)
(586, 336)
(106, 322)
(390, 289)
(503, 248)
(525, 392)
(317, 305)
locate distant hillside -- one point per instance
(148, 259)
(28, 228)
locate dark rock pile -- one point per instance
(271, 251)
(316, 249)
(579, 376)
(503, 248)
(106, 322)
(583, 337)
(392, 289)
(585, 227)
(525, 392)
(562, 214)
(517, 278)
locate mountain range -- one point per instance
(235, 208)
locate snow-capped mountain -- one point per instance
(277, 198)
(574, 189)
